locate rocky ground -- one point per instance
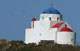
(42, 46)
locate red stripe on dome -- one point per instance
(57, 25)
(65, 29)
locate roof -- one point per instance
(33, 19)
(57, 25)
(51, 11)
(65, 29)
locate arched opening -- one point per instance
(65, 25)
(42, 18)
(50, 18)
(57, 19)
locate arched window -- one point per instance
(40, 34)
(65, 25)
(42, 18)
(57, 19)
(49, 18)
(72, 40)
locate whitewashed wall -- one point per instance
(65, 38)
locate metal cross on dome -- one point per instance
(51, 3)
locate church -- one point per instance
(50, 27)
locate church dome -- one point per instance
(51, 11)
(65, 29)
(33, 19)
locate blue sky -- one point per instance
(15, 15)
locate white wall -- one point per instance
(42, 25)
(31, 36)
(65, 38)
(35, 36)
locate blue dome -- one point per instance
(51, 11)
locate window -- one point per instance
(57, 19)
(65, 25)
(50, 18)
(72, 40)
(42, 18)
(40, 34)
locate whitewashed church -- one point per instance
(50, 27)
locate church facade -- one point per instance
(50, 27)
